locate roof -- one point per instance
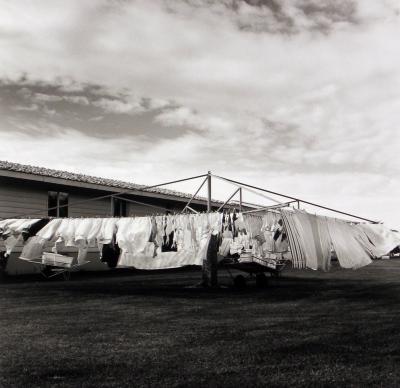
(48, 172)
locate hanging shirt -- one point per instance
(34, 228)
(94, 232)
(48, 232)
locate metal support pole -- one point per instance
(240, 199)
(244, 185)
(194, 195)
(112, 206)
(227, 201)
(210, 264)
(268, 208)
(209, 192)
(191, 209)
(246, 188)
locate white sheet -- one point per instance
(383, 239)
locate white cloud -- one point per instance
(30, 108)
(47, 97)
(81, 100)
(96, 118)
(117, 106)
(41, 97)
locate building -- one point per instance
(31, 191)
(36, 192)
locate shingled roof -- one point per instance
(48, 172)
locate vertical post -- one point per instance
(298, 204)
(212, 258)
(210, 264)
(240, 200)
(58, 204)
(209, 192)
(112, 206)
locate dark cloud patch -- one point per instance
(325, 14)
(287, 134)
(294, 17)
(90, 109)
(281, 17)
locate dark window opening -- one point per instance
(62, 204)
(119, 207)
(52, 204)
(57, 204)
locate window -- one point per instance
(52, 204)
(62, 204)
(57, 204)
(118, 207)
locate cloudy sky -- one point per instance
(298, 96)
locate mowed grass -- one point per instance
(113, 330)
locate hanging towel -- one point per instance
(295, 240)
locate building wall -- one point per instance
(18, 200)
(98, 208)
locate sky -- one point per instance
(296, 96)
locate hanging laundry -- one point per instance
(349, 251)
(110, 254)
(31, 230)
(107, 232)
(33, 249)
(253, 224)
(380, 239)
(82, 229)
(295, 239)
(176, 240)
(319, 227)
(94, 232)
(133, 237)
(49, 231)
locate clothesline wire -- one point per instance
(139, 203)
(246, 187)
(269, 208)
(146, 188)
(294, 198)
(131, 191)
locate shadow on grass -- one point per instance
(182, 284)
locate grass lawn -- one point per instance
(110, 330)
